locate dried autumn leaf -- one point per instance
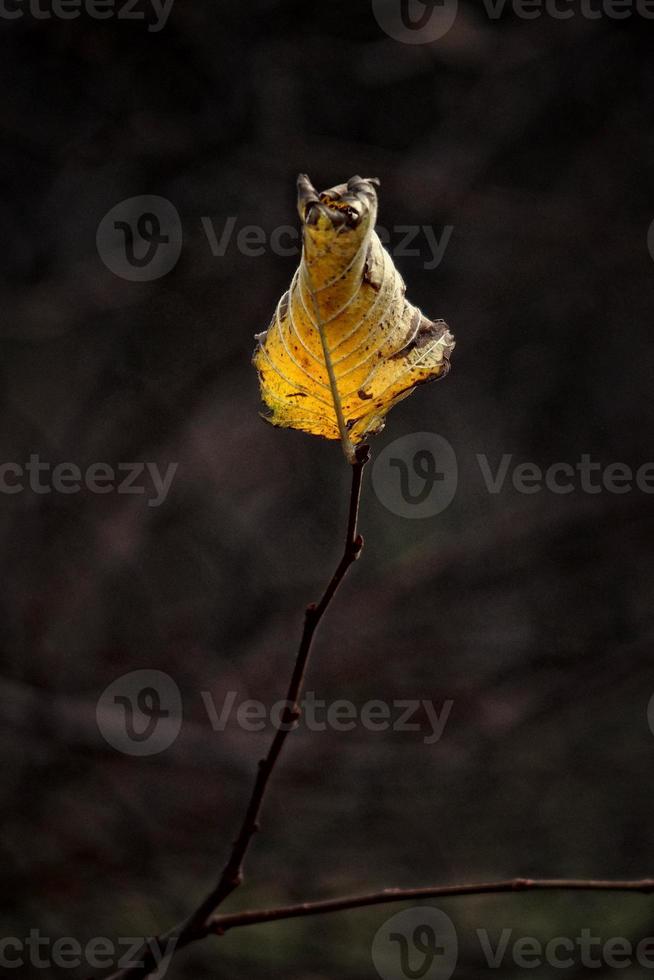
(345, 345)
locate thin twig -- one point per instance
(220, 924)
(198, 925)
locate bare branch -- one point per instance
(198, 925)
(222, 923)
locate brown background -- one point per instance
(532, 613)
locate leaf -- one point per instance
(345, 345)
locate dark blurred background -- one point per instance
(531, 613)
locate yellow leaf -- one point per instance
(345, 345)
